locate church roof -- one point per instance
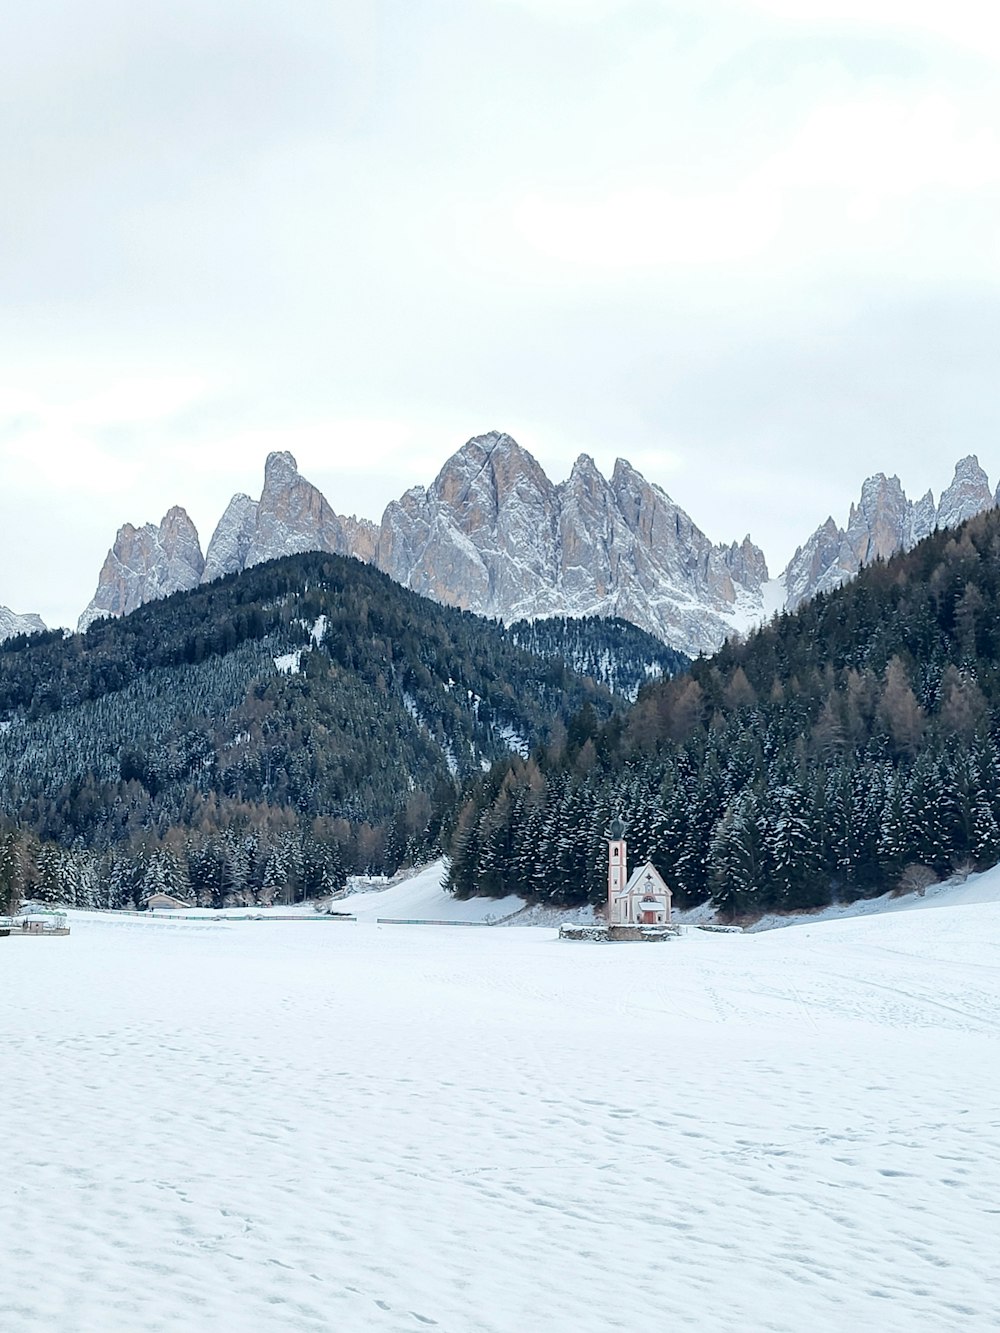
(647, 879)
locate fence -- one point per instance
(56, 924)
(406, 921)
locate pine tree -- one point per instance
(796, 852)
(737, 864)
(11, 879)
(48, 886)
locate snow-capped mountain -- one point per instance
(883, 522)
(11, 624)
(146, 563)
(291, 516)
(493, 534)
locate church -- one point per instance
(639, 899)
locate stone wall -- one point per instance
(618, 934)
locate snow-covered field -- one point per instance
(338, 1126)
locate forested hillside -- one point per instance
(266, 732)
(614, 652)
(839, 751)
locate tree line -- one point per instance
(839, 751)
(309, 702)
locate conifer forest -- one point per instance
(261, 737)
(847, 749)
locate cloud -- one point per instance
(612, 226)
(889, 147)
(571, 11)
(969, 24)
(837, 187)
(644, 226)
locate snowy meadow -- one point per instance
(323, 1125)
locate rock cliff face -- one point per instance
(968, 494)
(883, 522)
(492, 534)
(291, 516)
(231, 542)
(11, 624)
(146, 563)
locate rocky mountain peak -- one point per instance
(923, 519)
(879, 523)
(968, 494)
(623, 475)
(178, 533)
(280, 468)
(291, 516)
(487, 473)
(883, 522)
(584, 472)
(146, 563)
(232, 539)
(746, 563)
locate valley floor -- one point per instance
(337, 1126)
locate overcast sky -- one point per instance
(751, 245)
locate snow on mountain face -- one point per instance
(291, 516)
(969, 494)
(147, 563)
(923, 519)
(882, 523)
(232, 539)
(809, 570)
(493, 535)
(11, 624)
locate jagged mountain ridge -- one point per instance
(290, 518)
(147, 563)
(12, 624)
(883, 523)
(493, 534)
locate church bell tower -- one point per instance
(617, 869)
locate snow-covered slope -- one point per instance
(976, 889)
(326, 1125)
(421, 897)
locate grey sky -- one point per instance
(751, 245)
